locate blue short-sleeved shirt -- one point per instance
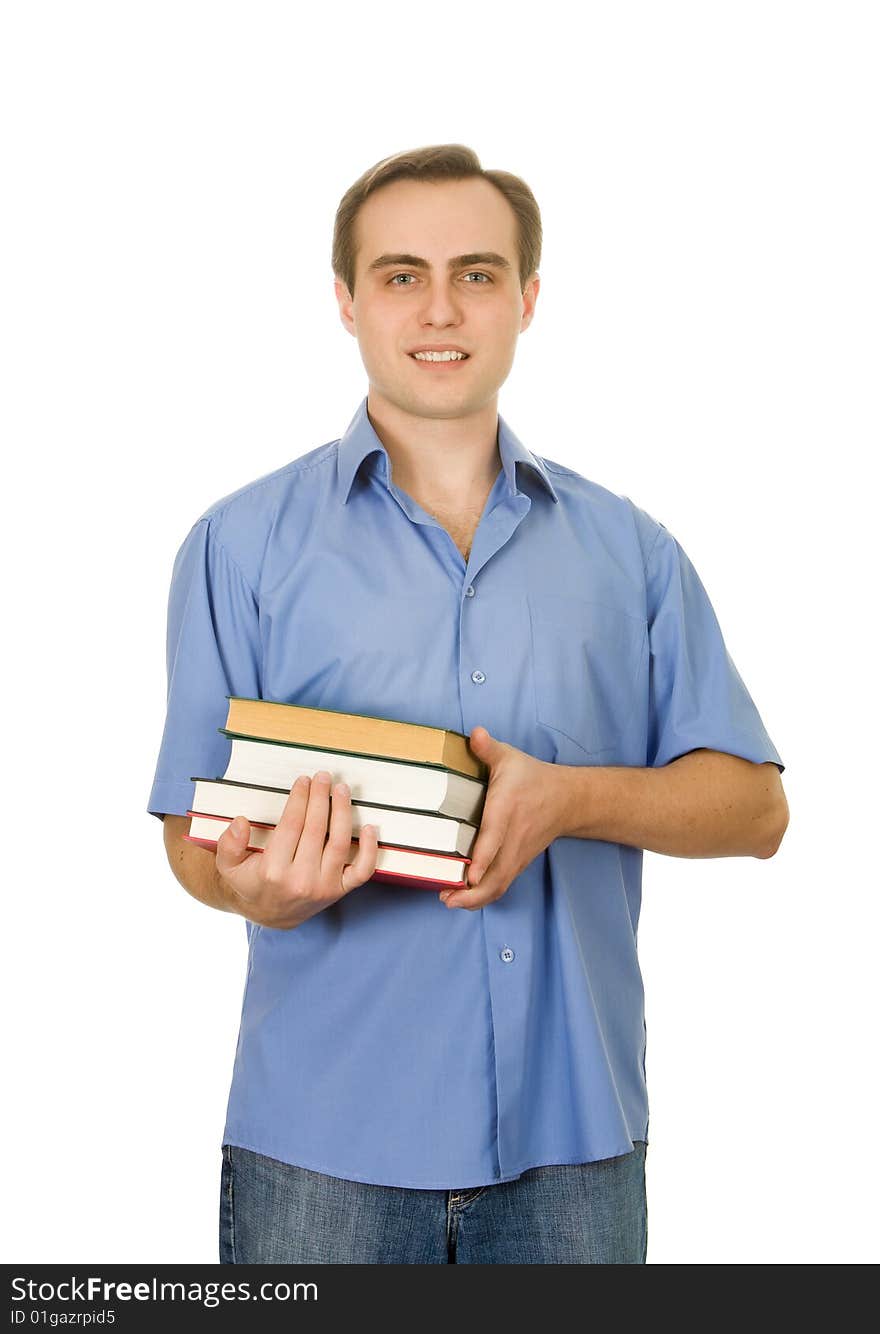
(387, 1039)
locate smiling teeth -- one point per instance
(439, 356)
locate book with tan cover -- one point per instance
(364, 734)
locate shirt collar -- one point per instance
(360, 441)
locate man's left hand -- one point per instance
(522, 814)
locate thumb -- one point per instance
(482, 742)
(232, 845)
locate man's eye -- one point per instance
(473, 274)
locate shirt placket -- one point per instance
(485, 691)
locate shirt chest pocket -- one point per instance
(587, 658)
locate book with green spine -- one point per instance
(363, 734)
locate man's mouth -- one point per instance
(439, 358)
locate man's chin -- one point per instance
(427, 402)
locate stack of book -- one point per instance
(422, 788)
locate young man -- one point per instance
(414, 1084)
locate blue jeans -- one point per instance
(586, 1213)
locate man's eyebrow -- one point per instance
(488, 257)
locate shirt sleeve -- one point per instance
(213, 650)
(697, 696)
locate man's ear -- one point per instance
(346, 302)
(530, 296)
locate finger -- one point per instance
(282, 842)
(307, 858)
(361, 869)
(484, 851)
(338, 844)
(492, 885)
(232, 845)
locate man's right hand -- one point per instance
(298, 873)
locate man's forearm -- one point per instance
(704, 804)
(196, 869)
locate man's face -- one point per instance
(474, 305)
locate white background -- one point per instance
(705, 342)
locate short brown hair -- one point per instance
(437, 162)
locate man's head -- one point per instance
(431, 250)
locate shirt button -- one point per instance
(478, 677)
(507, 954)
(469, 591)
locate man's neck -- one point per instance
(449, 462)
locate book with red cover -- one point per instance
(445, 865)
